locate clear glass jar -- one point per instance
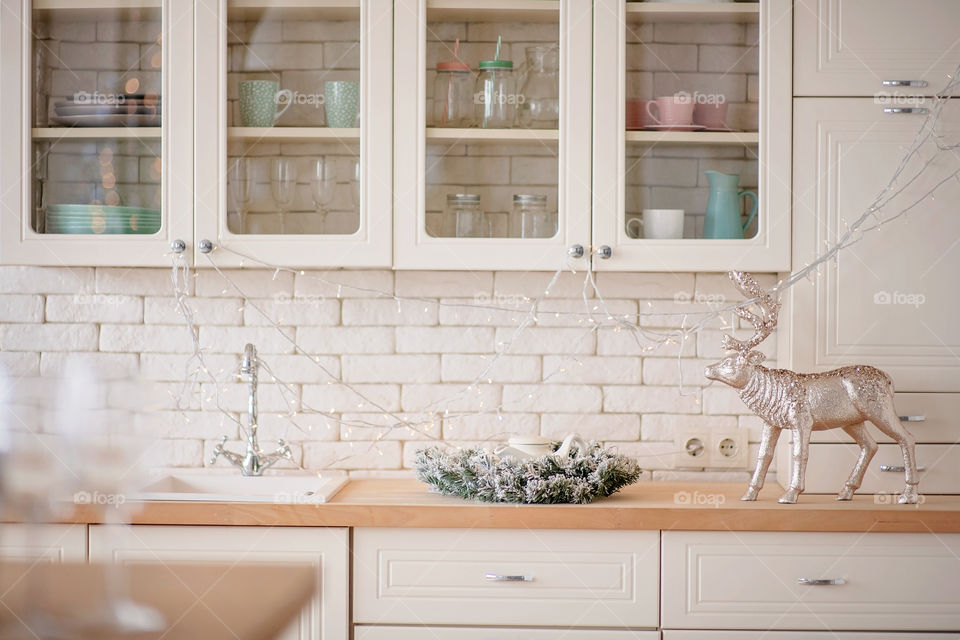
(531, 218)
(539, 100)
(496, 95)
(453, 95)
(463, 217)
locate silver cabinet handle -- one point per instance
(575, 251)
(912, 418)
(920, 111)
(605, 252)
(496, 577)
(897, 468)
(817, 582)
(904, 83)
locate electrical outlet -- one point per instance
(692, 449)
(728, 449)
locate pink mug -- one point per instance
(637, 116)
(671, 110)
(712, 116)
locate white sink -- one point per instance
(287, 489)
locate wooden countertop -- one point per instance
(645, 505)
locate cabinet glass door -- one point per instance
(101, 119)
(299, 95)
(689, 172)
(492, 123)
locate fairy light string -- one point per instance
(596, 314)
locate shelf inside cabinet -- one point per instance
(694, 137)
(58, 133)
(292, 134)
(693, 12)
(49, 5)
(474, 136)
(494, 10)
(253, 10)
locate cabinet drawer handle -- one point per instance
(920, 111)
(913, 418)
(897, 468)
(496, 577)
(817, 582)
(904, 83)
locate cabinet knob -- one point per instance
(819, 582)
(205, 246)
(920, 111)
(912, 418)
(178, 246)
(496, 577)
(904, 83)
(575, 251)
(605, 252)
(897, 468)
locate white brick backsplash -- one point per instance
(649, 455)
(171, 367)
(511, 311)
(104, 56)
(260, 283)
(300, 368)
(352, 455)
(138, 338)
(233, 396)
(626, 342)
(490, 425)
(358, 397)
(194, 425)
(645, 285)
(388, 312)
(719, 286)
(449, 397)
(664, 427)
(703, 32)
(557, 398)
(643, 399)
(376, 426)
(344, 284)
(728, 59)
(672, 371)
(320, 31)
(591, 369)
(574, 313)
(48, 337)
(175, 453)
(96, 307)
(591, 426)
(547, 341)
(662, 57)
(106, 366)
(46, 280)
(291, 310)
(134, 281)
(206, 311)
(533, 284)
(21, 308)
(445, 340)
(415, 284)
(346, 339)
(723, 400)
(455, 367)
(391, 368)
(20, 363)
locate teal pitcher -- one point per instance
(723, 207)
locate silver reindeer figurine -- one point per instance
(807, 402)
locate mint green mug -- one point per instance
(259, 100)
(341, 100)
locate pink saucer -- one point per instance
(676, 127)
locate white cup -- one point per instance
(659, 224)
(535, 446)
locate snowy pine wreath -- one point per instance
(579, 477)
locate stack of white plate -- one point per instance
(101, 219)
(109, 110)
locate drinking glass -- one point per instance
(241, 188)
(355, 185)
(283, 186)
(323, 184)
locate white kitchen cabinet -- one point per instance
(872, 47)
(496, 577)
(639, 169)
(68, 160)
(887, 300)
(676, 634)
(43, 542)
(365, 632)
(752, 580)
(326, 549)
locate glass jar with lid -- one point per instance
(463, 217)
(531, 218)
(452, 95)
(496, 95)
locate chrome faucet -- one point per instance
(254, 460)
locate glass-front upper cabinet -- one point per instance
(692, 109)
(294, 131)
(96, 130)
(492, 124)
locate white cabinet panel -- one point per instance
(51, 542)
(849, 47)
(800, 635)
(363, 632)
(728, 580)
(327, 549)
(440, 576)
(940, 424)
(889, 299)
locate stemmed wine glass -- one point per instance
(322, 186)
(241, 187)
(283, 186)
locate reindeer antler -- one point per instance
(769, 308)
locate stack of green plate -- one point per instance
(101, 219)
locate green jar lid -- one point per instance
(496, 64)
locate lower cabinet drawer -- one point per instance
(506, 577)
(830, 465)
(890, 581)
(362, 632)
(934, 419)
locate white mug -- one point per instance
(535, 446)
(660, 224)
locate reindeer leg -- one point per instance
(768, 444)
(868, 448)
(887, 421)
(801, 449)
